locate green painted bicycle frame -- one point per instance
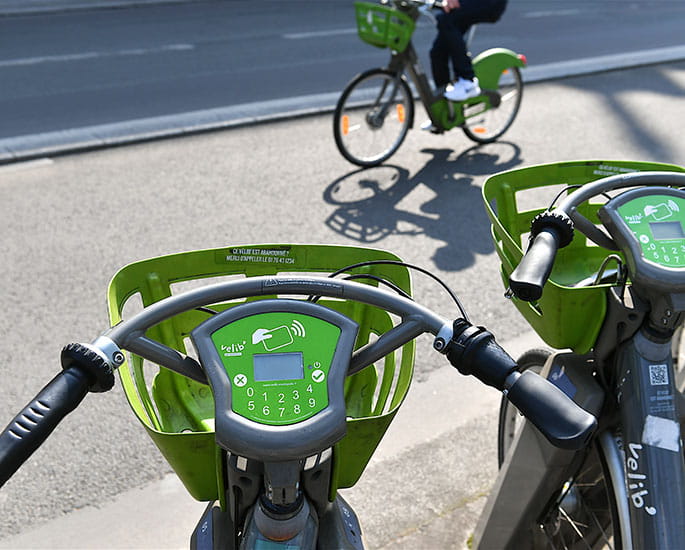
(489, 67)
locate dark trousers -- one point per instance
(449, 44)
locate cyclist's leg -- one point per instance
(440, 60)
(453, 26)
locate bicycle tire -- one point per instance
(371, 120)
(489, 125)
(584, 512)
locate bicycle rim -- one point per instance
(372, 118)
(583, 513)
(485, 126)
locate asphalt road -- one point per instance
(69, 223)
(90, 67)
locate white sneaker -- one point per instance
(462, 89)
(428, 126)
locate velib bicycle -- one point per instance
(614, 294)
(376, 109)
(274, 390)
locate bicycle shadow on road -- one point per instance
(440, 201)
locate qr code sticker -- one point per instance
(658, 375)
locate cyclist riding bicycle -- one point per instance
(449, 45)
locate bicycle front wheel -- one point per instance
(583, 513)
(486, 125)
(372, 117)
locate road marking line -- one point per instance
(552, 13)
(92, 55)
(314, 34)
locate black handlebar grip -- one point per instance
(530, 276)
(31, 427)
(564, 423)
(474, 351)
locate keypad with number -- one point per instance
(278, 365)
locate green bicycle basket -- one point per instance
(383, 26)
(178, 413)
(570, 312)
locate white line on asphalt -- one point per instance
(315, 34)
(92, 55)
(552, 13)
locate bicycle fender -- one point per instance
(490, 64)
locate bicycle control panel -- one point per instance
(648, 224)
(277, 371)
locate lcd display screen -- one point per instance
(667, 230)
(272, 367)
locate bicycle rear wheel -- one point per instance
(485, 126)
(583, 513)
(372, 117)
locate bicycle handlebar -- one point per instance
(32, 426)
(429, 4)
(530, 276)
(472, 350)
(553, 230)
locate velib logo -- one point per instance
(634, 219)
(637, 482)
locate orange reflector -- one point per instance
(479, 129)
(400, 112)
(505, 71)
(345, 123)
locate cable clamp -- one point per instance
(443, 337)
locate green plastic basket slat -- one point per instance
(383, 26)
(386, 384)
(178, 412)
(565, 316)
